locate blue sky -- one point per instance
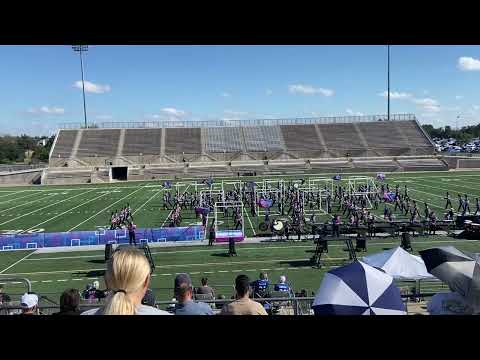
(138, 83)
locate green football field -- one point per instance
(84, 207)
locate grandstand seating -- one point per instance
(263, 138)
(285, 146)
(413, 133)
(64, 144)
(99, 142)
(224, 139)
(300, 137)
(383, 138)
(142, 141)
(183, 140)
(342, 139)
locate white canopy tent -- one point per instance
(400, 264)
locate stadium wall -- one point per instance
(25, 177)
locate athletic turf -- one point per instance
(83, 207)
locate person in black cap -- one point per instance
(184, 295)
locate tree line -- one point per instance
(462, 135)
(24, 149)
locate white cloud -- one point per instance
(309, 90)
(353, 113)
(428, 104)
(268, 92)
(458, 97)
(225, 94)
(475, 107)
(93, 88)
(396, 95)
(174, 112)
(467, 63)
(47, 110)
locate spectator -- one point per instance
(184, 294)
(448, 303)
(4, 298)
(69, 303)
(282, 285)
(243, 305)
(205, 289)
(29, 303)
(260, 286)
(128, 277)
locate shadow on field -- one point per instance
(296, 263)
(97, 261)
(222, 254)
(93, 273)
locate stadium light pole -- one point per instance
(80, 49)
(388, 82)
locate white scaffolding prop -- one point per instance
(265, 189)
(368, 182)
(219, 208)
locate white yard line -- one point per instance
(267, 261)
(27, 203)
(65, 212)
(250, 221)
(146, 202)
(34, 211)
(15, 263)
(13, 193)
(17, 198)
(96, 214)
(451, 190)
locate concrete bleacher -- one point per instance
(142, 141)
(383, 138)
(183, 140)
(413, 133)
(224, 139)
(263, 138)
(288, 146)
(64, 145)
(341, 139)
(300, 137)
(98, 142)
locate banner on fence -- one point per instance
(101, 236)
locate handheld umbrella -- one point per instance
(458, 269)
(358, 289)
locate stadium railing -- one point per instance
(298, 306)
(242, 123)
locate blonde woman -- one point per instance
(127, 277)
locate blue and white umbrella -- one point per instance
(358, 289)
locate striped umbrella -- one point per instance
(459, 270)
(358, 289)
